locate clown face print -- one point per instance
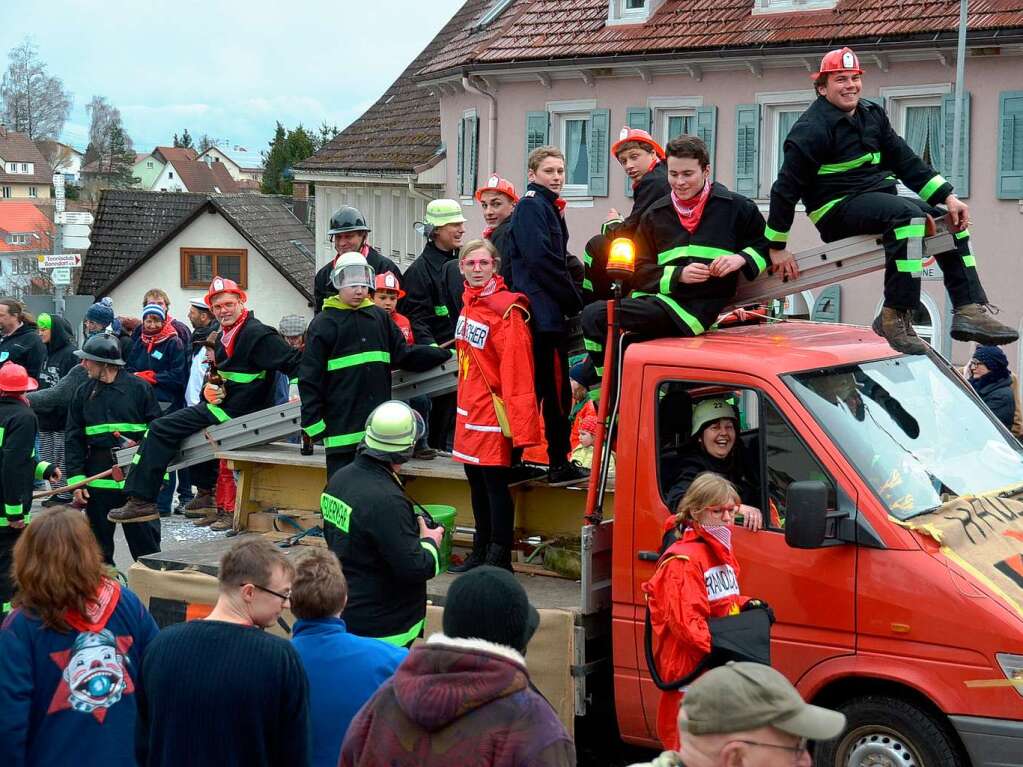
(94, 675)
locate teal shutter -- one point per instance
(960, 177)
(828, 306)
(747, 149)
(536, 134)
(474, 155)
(636, 117)
(599, 144)
(1009, 185)
(706, 130)
(459, 170)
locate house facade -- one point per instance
(147, 170)
(63, 158)
(25, 233)
(737, 76)
(183, 172)
(24, 172)
(242, 164)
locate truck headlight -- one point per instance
(1012, 667)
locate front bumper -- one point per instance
(991, 742)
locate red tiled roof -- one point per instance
(23, 218)
(563, 29)
(18, 147)
(196, 175)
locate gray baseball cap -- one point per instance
(746, 696)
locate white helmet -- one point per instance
(351, 270)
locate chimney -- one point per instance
(3, 130)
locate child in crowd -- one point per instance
(583, 453)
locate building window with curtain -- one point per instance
(915, 113)
(574, 142)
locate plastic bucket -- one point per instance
(444, 515)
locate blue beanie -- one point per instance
(154, 309)
(992, 357)
(101, 312)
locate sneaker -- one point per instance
(896, 327)
(425, 454)
(567, 474)
(222, 522)
(200, 506)
(973, 322)
(135, 510)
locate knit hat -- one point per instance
(154, 309)
(589, 423)
(992, 358)
(44, 321)
(292, 325)
(488, 603)
(101, 312)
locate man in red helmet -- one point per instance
(642, 158)
(842, 159)
(247, 353)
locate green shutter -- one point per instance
(706, 130)
(1009, 185)
(599, 143)
(474, 155)
(959, 177)
(536, 135)
(747, 149)
(459, 180)
(828, 306)
(635, 117)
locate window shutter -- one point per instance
(636, 117)
(600, 148)
(474, 154)
(960, 177)
(828, 306)
(706, 130)
(536, 135)
(1010, 146)
(459, 180)
(747, 149)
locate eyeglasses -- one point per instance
(286, 597)
(797, 750)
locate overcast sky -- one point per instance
(228, 68)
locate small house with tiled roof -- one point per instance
(242, 164)
(179, 241)
(24, 172)
(515, 74)
(147, 169)
(184, 172)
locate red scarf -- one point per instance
(364, 250)
(228, 336)
(560, 204)
(165, 332)
(99, 610)
(691, 211)
(487, 231)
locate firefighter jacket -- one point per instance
(369, 524)
(25, 347)
(536, 256)
(257, 352)
(323, 287)
(495, 370)
(696, 578)
(426, 302)
(98, 413)
(730, 224)
(830, 155)
(650, 188)
(19, 465)
(346, 370)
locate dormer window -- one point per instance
(631, 11)
(789, 6)
(492, 13)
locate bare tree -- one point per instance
(33, 101)
(104, 118)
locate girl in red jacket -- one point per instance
(497, 409)
(696, 578)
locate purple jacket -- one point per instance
(458, 701)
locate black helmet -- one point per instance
(347, 219)
(101, 347)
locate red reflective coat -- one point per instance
(696, 578)
(494, 352)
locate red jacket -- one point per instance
(494, 353)
(696, 578)
(404, 326)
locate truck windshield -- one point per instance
(912, 431)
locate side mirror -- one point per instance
(806, 514)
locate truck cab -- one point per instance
(922, 653)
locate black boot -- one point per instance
(477, 557)
(499, 556)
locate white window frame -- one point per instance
(26, 168)
(897, 97)
(788, 6)
(619, 13)
(772, 104)
(12, 167)
(664, 108)
(559, 113)
(7, 192)
(467, 199)
(33, 191)
(149, 163)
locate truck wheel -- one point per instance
(888, 732)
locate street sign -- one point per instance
(56, 260)
(81, 217)
(77, 243)
(74, 230)
(61, 275)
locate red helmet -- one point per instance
(387, 281)
(497, 184)
(637, 134)
(840, 60)
(223, 285)
(14, 378)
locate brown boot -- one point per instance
(223, 521)
(135, 510)
(896, 327)
(200, 506)
(211, 516)
(973, 322)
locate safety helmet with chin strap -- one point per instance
(347, 219)
(392, 430)
(352, 270)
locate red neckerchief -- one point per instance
(690, 211)
(159, 337)
(99, 610)
(560, 204)
(487, 231)
(653, 165)
(228, 336)
(364, 250)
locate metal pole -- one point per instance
(957, 134)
